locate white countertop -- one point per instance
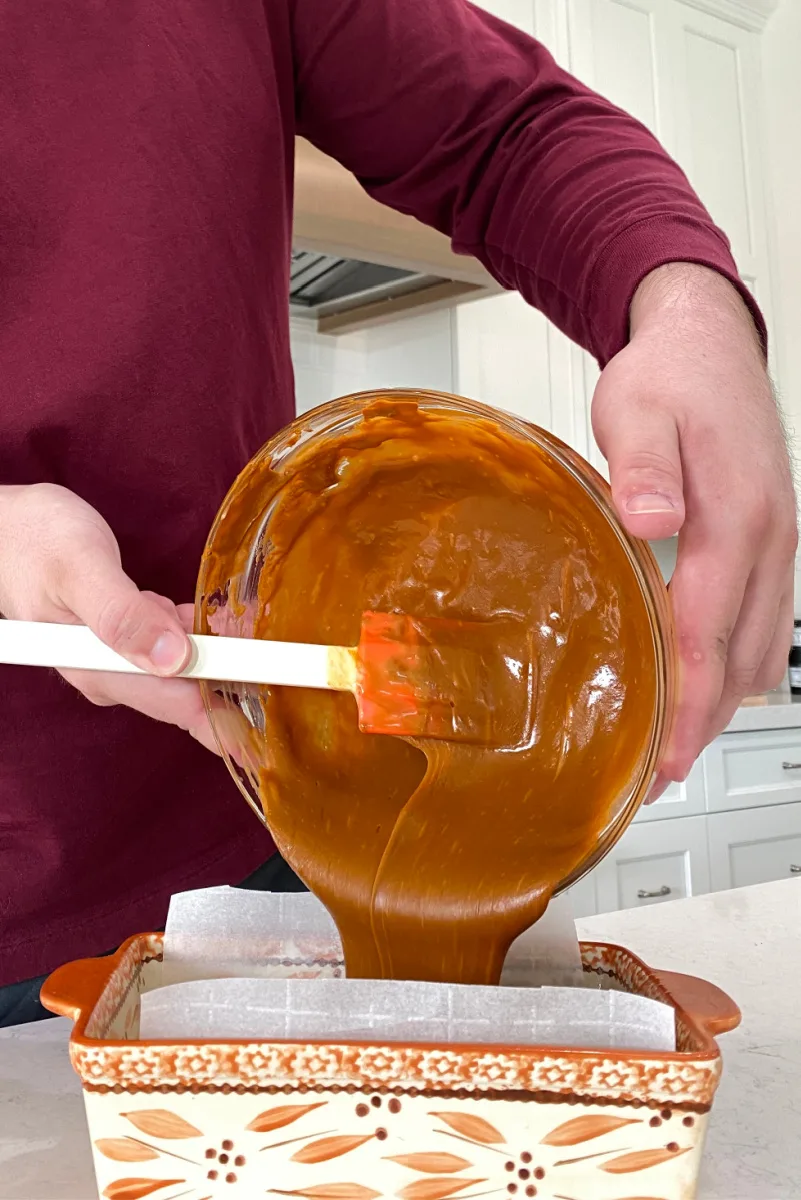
(775, 710)
(746, 941)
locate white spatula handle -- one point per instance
(242, 660)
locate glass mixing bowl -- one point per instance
(240, 544)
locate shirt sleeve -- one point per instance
(444, 112)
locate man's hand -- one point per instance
(686, 418)
(59, 561)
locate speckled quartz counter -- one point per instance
(776, 710)
(747, 941)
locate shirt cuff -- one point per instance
(634, 253)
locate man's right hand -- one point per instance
(60, 562)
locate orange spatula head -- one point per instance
(458, 681)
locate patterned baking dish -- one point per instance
(234, 1120)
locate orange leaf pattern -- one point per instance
(472, 1127)
(330, 1147)
(511, 1146)
(134, 1189)
(583, 1129)
(332, 1191)
(125, 1149)
(433, 1163)
(161, 1123)
(285, 1114)
(435, 1189)
(640, 1160)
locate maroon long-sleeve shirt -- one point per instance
(145, 219)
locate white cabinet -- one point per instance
(685, 799)
(624, 49)
(691, 76)
(519, 13)
(508, 355)
(747, 769)
(754, 846)
(665, 860)
(735, 821)
(717, 73)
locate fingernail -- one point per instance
(658, 788)
(169, 652)
(650, 502)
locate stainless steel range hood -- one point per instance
(356, 263)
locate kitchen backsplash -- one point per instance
(415, 352)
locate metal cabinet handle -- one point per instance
(795, 869)
(663, 891)
(791, 766)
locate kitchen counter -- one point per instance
(747, 941)
(775, 710)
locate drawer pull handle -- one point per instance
(791, 766)
(795, 869)
(663, 891)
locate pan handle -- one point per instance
(709, 1005)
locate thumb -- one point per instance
(143, 627)
(641, 445)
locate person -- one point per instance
(145, 229)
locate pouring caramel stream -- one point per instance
(433, 856)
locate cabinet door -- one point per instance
(718, 123)
(694, 80)
(663, 860)
(754, 846)
(519, 13)
(622, 49)
(679, 800)
(744, 770)
(509, 355)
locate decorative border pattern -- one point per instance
(413, 1069)
(688, 1078)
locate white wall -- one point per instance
(412, 352)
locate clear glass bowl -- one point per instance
(240, 542)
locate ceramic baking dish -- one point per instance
(233, 1120)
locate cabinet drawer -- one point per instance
(757, 846)
(678, 800)
(654, 862)
(747, 769)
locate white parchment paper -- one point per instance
(255, 965)
(391, 1011)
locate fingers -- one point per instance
(641, 444)
(759, 645)
(706, 595)
(186, 615)
(144, 628)
(733, 638)
(176, 701)
(773, 669)
(659, 786)
(59, 561)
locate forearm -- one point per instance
(699, 302)
(472, 127)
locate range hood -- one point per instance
(356, 263)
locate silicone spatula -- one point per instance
(460, 681)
